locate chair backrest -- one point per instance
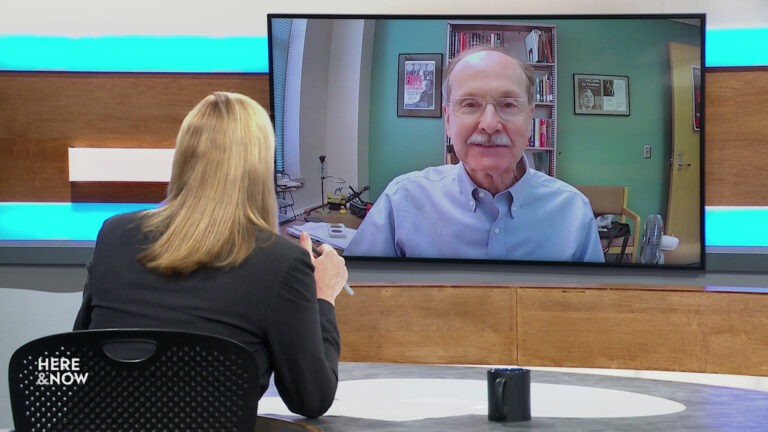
(104, 380)
(605, 199)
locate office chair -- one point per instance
(613, 200)
(120, 380)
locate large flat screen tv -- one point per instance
(510, 139)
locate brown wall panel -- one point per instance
(124, 192)
(44, 113)
(110, 105)
(736, 137)
(428, 325)
(33, 171)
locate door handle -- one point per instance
(680, 163)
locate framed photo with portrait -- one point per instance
(600, 94)
(419, 81)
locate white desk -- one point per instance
(379, 397)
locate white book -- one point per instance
(532, 46)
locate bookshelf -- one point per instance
(517, 38)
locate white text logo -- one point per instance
(55, 370)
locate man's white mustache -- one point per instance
(489, 140)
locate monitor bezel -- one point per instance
(701, 265)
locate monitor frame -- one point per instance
(701, 265)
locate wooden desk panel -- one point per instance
(734, 333)
(610, 329)
(411, 324)
(683, 331)
(624, 326)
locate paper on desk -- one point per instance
(288, 183)
(319, 233)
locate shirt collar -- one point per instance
(522, 183)
(465, 183)
(466, 187)
(517, 190)
(520, 189)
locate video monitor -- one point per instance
(509, 139)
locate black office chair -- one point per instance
(133, 380)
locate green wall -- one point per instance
(401, 144)
(592, 149)
(609, 149)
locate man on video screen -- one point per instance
(492, 205)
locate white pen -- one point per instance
(349, 290)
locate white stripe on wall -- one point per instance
(88, 164)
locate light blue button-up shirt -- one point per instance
(439, 212)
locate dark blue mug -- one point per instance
(509, 394)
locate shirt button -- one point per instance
(481, 194)
(496, 231)
(471, 203)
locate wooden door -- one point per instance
(683, 209)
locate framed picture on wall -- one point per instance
(600, 94)
(419, 78)
(696, 98)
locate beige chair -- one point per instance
(613, 200)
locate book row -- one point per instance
(537, 43)
(460, 41)
(544, 89)
(540, 133)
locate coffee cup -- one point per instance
(509, 394)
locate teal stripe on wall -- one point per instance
(725, 226)
(736, 226)
(138, 53)
(180, 54)
(737, 47)
(59, 221)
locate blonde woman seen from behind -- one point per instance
(209, 259)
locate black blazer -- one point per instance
(268, 303)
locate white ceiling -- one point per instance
(248, 17)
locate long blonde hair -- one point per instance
(221, 191)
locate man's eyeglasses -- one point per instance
(473, 107)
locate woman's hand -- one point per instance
(330, 270)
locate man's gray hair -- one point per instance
(530, 77)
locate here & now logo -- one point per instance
(55, 370)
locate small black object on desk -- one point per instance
(509, 394)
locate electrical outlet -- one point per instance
(647, 152)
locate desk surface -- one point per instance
(706, 407)
(269, 424)
(330, 216)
